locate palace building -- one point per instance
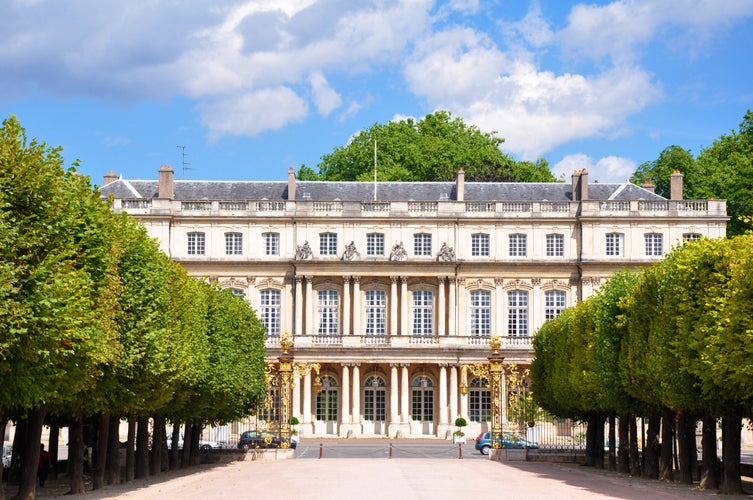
(393, 287)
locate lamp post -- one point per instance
(492, 372)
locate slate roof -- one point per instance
(364, 191)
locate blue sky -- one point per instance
(251, 88)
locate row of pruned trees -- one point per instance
(97, 325)
(671, 344)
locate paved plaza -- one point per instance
(394, 479)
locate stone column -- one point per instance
(404, 305)
(356, 413)
(404, 396)
(346, 305)
(453, 393)
(307, 420)
(356, 305)
(393, 305)
(298, 306)
(310, 316)
(498, 327)
(296, 411)
(345, 413)
(394, 392)
(452, 305)
(441, 307)
(443, 424)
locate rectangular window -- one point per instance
(271, 243)
(654, 244)
(328, 312)
(615, 244)
(233, 244)
(375, 244)
(480, 245)
(555, 245)
(554, 303)
(328, 244)
(690, 237)
(269, 309)
(517, 310)
(422, 244)
(481, 313)
(376, 305)
(196, 243)
(423, 312)
(518, 245)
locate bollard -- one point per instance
(390, 450)
(320, 450)
(460, 451)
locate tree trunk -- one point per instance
(710, 462)
(731, 482)
(130, 448)
(686, 447)
(590, 439)
(53, 449)
(142, 448)
(652, 448)
(635, 457)
(22, 429)
(76, 455)
(612, 438)
(623, 453)
(599, 441)
(186, 453)
(174, 451)
(666, 472)
(158, 445)
(113, 451)
(30, 454)
(100, 450)
(195, 456)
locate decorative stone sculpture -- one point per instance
(398, 252)
(446, 254)
(350, 252)
(303, 252)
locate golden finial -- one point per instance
(286, 342)
(495, 344)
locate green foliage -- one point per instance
(460, 422)
(431, 149)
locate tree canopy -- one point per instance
(433, 148)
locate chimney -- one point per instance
(291, 184)
(166, 182)
(584, 184)
(576, 185)
(110, 177)
(675, 186)
(649, 186)
(460, 186)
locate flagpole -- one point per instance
(375, 168)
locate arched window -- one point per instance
(422, 399)
(480, 404)
(326, 400)
(374, 399)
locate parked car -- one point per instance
(262, 439)
(6, 456)
(484, 442)
(204, 444)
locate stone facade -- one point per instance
(393, 287)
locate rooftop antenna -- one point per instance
(375, 170)
(183, 161)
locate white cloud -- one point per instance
(609, 169)
(252, 113)
(325, 98)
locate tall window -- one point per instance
(517, 310)
(554, 303)
(328, 312)
(423, 312)
(233, 244)
(422, 399)
(271, 243)
(196, 243)
(422, 244)
(374, 400)
(375, 244)
(615, 244)
(376, 304)
(328, 244)
(654, 244)
(269, 309)
(480, 407)
(480, 245)
(326, 400)
(481, 313)
(518, 245)
(555, 245)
